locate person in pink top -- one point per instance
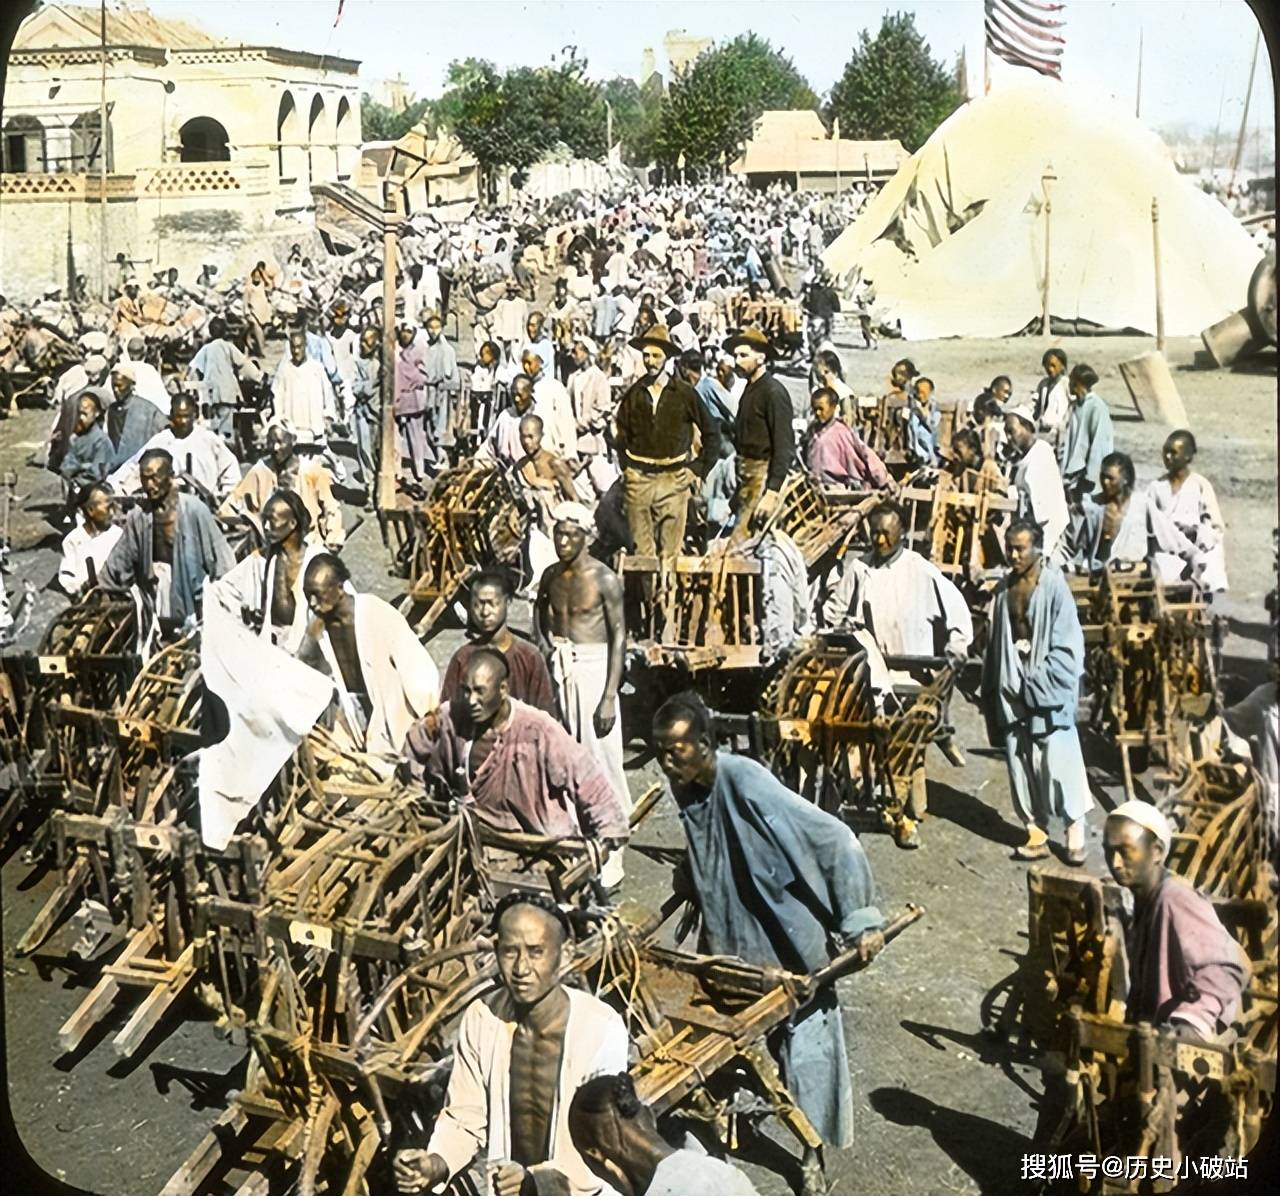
(835, 453)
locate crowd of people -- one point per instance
(621, 364)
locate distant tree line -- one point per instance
(892, 87)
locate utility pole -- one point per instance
(102, 157)
(1244, 117)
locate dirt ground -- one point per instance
(940, 1107)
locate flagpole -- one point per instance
(1137, 107)
(1244, 117)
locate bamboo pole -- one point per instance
(1155, 249)
(388, 455)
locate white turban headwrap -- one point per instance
(1147, 817)
(575, 513)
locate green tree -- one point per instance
(380, 123)
(637, 112)
(516, 119)
(711, 108)
(893, 86)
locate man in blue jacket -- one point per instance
(1030, 691)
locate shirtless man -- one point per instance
(540, 469)
(578, 620)
(516, 1053)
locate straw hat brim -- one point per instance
(760, 346)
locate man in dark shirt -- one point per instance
(487, 610)
(656, 419)
(764, 434)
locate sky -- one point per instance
(1195, 52)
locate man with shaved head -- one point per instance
(517, 767)
(170, 546)
(521, 1051)
(197, 451)
(383, 676)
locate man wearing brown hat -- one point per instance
(656, 419)
(764, 436)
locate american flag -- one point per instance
(1026, 33)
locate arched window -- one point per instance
(346, 146)
(320, 155)
(23, 146)
(204, 140)
(292, 152)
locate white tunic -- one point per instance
(1195, 512)
(908, 605)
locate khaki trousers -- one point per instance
(657, 507)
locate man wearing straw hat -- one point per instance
(655, 425)
(1185, 969)
(764, 436)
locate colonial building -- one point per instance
(209, 147)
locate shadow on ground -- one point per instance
(989, 1153)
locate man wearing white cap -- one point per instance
(578, 620)
(1030, 691)
(147, 381)
(1185, 969)
(1036, 478)
(131, 420)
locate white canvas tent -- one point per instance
(954, 243)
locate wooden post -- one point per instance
(388, 454)
(1155, 248)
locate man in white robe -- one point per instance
(197, 451)
(551, 401)
(910, 609)
(1036, 478)
(384, 677)
(299, 391)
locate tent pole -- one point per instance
(1048, 223)
(1155, 249)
